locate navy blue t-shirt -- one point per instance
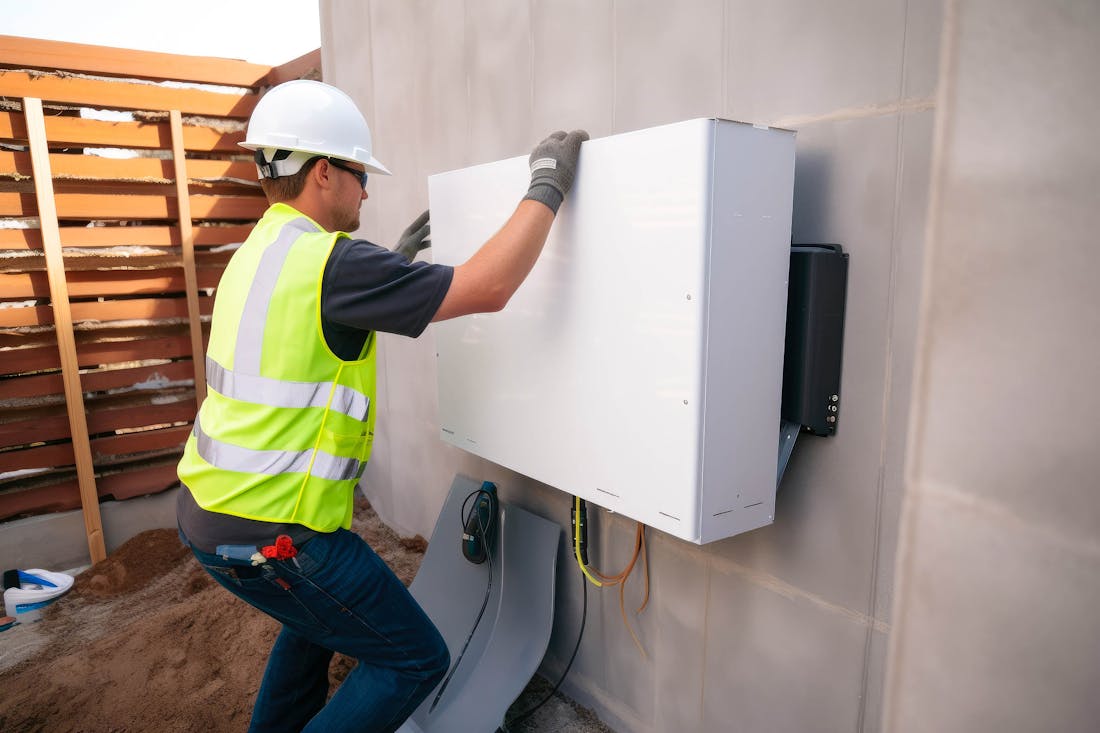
(365, 288)
(370, 288)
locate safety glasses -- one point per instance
(361, 175)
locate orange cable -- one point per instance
(620, 580)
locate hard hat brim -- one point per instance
(373, 165)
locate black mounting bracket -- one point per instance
(816, 295)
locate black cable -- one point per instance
(580, 635)
(488, 588)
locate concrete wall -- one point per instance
(785, 628)
(59, 541)
(998, 627)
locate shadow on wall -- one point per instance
(811, 186)
(812, 173)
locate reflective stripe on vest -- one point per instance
(250, 336)
(277, 393)
(230, 457)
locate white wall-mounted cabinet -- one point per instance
(640, 365)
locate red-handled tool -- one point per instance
(283, 549)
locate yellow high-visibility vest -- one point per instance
(287, 426)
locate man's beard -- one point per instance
(348, 221)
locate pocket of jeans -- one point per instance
(228, 574)
(299, 592)
(310, 558)
(284, 599)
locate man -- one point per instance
(280, 442)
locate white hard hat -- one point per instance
(308, 119)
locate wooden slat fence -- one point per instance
(137, 268)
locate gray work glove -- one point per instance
(415, 238)
(553, 165)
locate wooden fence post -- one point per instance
(63, 325)
(187, 237)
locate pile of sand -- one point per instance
(146, 641)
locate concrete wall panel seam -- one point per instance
(614, 65)
(901, 107)
(886, 403)
(372, 116)
(468, 64)
(706, 632)
(904, 562)
(725, 99)
(902, 71)
(763, 580)
(792, 592)
(532, 91)
(1047, 534)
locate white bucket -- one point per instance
(36, 589)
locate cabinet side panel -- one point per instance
(749, 258)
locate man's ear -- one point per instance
(322, 173)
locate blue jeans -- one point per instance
(336, 595)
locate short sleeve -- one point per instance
(370, 288)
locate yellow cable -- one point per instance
(577, 540)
